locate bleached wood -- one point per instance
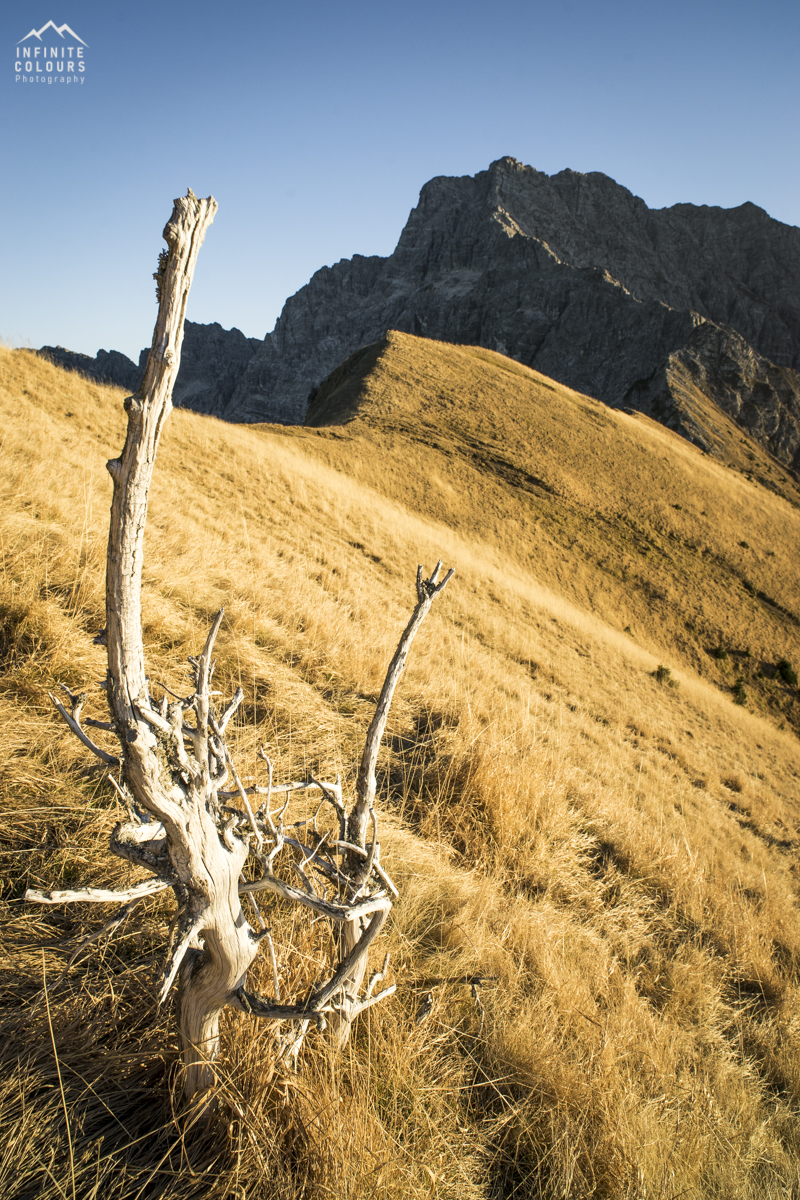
(278, 790)
(336, 912)
(363, 810)
(92, 895)
(184, 829)
(181, 799)
(427, 591)
(132, 472)
(187, 937)
(145, 845)
(109, 759)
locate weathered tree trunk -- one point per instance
(176, 789)
(190, 834)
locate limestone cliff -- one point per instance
(570, 274)
(106, 367)
(718, 365)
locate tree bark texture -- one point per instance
(189, 833)
(178, 794)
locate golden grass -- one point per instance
(620, 854)
(608, 509)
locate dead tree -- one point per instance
(192, 824)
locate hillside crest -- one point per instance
(570, 274)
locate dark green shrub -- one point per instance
(786, 672)
(739, 694)
(719, 652)
(663, 675)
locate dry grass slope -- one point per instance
(619, 854)
(694, 555)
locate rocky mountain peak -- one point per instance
(571, 274)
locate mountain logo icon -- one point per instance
(52, 54)
(60, 30)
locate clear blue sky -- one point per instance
(316, 124)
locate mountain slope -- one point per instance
(719, 366)
(608, 508)
(570, 274)
(614, 857)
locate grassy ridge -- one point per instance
(620, 854)
(628, 520)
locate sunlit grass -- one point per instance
(615, 857)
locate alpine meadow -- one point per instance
(587, 792)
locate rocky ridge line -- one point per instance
(570, 274)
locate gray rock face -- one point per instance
(213, 361)
(721, 365)
(737, 267)
(109, 366)
(572, 324)
(570, 274)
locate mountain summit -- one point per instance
(570, 274)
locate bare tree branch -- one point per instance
(105, 931)
(358, 953)
(186, 938)
(279, 789)
(273, 963)
(74, 723)
(427, 591)
(238, 697)
(99, 895)
(336, 912)
(250, 815)
(145, 845)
